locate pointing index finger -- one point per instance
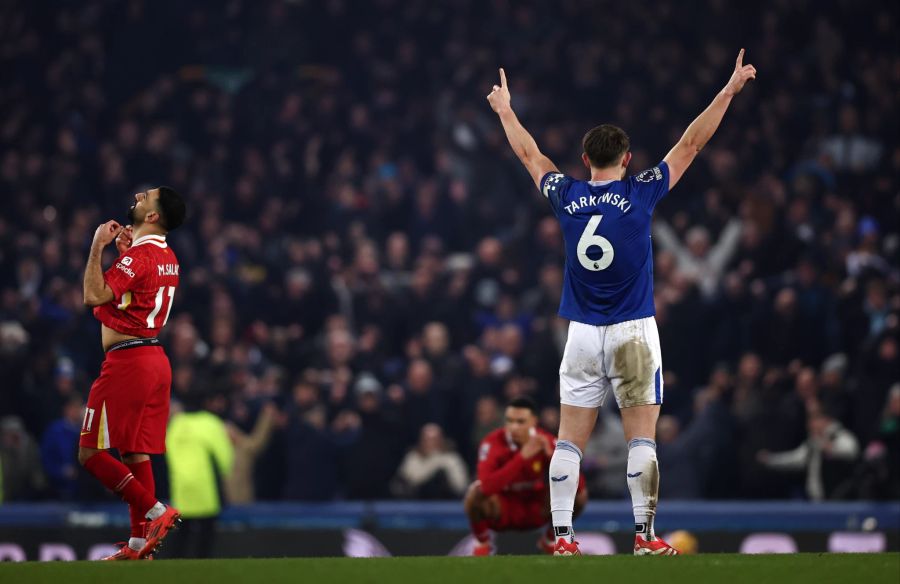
(740, 58)
(502, 78)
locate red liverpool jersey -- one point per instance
(502, 469)
(144, 280)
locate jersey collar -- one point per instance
(157, 240)
(600, 183)
(509, 442)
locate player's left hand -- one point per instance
(742, 73)
(124, 239)
(106, 233)
(499, 97)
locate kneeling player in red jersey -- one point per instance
(511, 492)
(128, 406)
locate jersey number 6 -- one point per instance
(590, 239)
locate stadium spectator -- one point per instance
(199, 454)
(431, 470)
(352, 198)
(374, 448)
(238, 485)
(20, 462)
(826, 456)
(698, 259)
(59, 449)
(309, 445)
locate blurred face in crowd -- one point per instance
(893, 406)
(74, 411)
(667, 429)
(436, 339)
(487, 411)
(750, 367)
(419, 376)
(145, 207)
(519, 423)
(818, 424)
(698, 241)
(431, 439)
(807, 385)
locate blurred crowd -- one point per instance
(368, 275)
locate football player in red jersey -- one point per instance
(511, 492)
(128, 406)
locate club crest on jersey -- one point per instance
(650, 175)
(551, 183)
(483, 451)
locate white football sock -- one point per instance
(137, 543)
(643, 483)
(564, 468)
(155, 511)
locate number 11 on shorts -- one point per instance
(88, 419)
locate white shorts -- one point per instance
(624, 357)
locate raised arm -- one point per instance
(701, 130)
(96, 290)
(521, 141)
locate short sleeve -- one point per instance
(122, 275)
(651, 185)
(553, 185)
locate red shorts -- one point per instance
(522, 511)
(128, 407)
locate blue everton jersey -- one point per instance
(609, 258)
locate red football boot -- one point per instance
(564, 548)
(157, 529)
(484, 548)
(653, 547)
(126, 553)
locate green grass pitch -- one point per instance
(727, 568)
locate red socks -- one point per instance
(143, 474)
(116, 477)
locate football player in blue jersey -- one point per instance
(613, 342)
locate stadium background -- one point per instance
(365, 257)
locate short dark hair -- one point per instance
(605, 144)
(524, 402)
(172, 209)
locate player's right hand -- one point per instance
(535, 445)
(742, 73)
(499, 97)
(124, 239)
(106, 233)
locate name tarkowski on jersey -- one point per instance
(614, 199)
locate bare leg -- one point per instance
(576, 424)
